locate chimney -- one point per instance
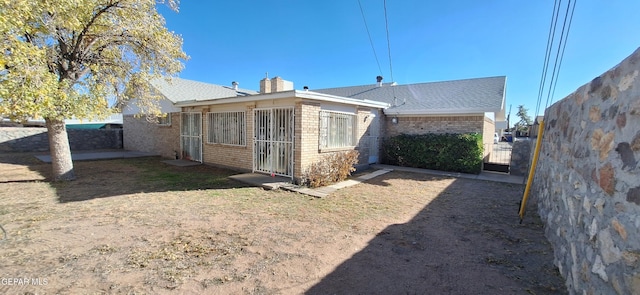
(235, 85)
(379, 79)
(265, 85)
(278, 84)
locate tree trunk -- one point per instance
(60, 151)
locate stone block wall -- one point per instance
(35, 139)
(141, 135)
(521, 151)
(588, 182)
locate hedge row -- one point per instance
(445, 152)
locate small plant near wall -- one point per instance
(331, 168)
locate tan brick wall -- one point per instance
(307, 135)
(144, 136)
(234, 157)
(140, 135)
(488, 130)
(439, 124)
(365, 124)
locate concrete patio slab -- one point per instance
(88, 156)
(262, 180)
(181, 163)
(324, 191)
(484, 175)
(374, 174)
(267, 182)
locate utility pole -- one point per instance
(509, 116)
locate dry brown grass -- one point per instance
(139, 226)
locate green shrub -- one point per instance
(446, 152)
(331, 168)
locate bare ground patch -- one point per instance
(139, 226)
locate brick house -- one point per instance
(163, 137)
(282, 131)
(458, 106)
(279, 131)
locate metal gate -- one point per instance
(497, 157)
(273, 141)
(191, 136)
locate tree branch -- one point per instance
(91, 22)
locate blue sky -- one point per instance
(323, 44)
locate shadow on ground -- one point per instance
(468, 240)
(107, 178)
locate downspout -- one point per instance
(532, 170)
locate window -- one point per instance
(337, 130)
(227, 128)
(164, 120)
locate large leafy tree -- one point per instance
(525, 119)
(80, 58)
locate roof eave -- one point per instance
(285, 94)
(341, 99)
(501, 114)
(416, 112)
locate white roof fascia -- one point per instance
(501, 114)
(341, 99)
(286, 94)
(439, 111)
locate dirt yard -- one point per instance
(139, 226)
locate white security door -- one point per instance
(191, 136)
(273, 141)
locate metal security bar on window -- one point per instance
(227, 128)
(337, 130)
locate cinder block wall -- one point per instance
(36, 139)
(440, 124)
(141, 135)
(588, 182)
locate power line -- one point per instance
(545, 64)
(370, 39)
(559, 55)
(563, 48)
(386, 24)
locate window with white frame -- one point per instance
(227, 128)
(337, 130)
(164, 120)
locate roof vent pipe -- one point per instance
(235, 85)
(379, 80)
